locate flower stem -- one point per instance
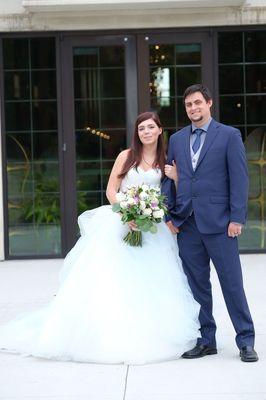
(134, 238)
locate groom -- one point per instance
(208, 210)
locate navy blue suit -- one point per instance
(207, 199)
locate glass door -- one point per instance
(99, 85)
(168, 64)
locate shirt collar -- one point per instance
(204, 127)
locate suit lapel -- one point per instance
(187, 147)
(210, 136)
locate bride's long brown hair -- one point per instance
(135, 151)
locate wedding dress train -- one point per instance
(115, 303)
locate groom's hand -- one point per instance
(171, 226)
(234, 229)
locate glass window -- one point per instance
(230, 47)
(242, 89)
(17, 85)
(100, 119)
(177, 67)
(32, 146)
(231, 79)
(254, 236)
(256, 78)
(232, 110)
(255, 50)
(16, 54)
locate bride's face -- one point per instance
(149, 131)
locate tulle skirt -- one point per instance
(115, 303)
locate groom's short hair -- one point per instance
(198, 87)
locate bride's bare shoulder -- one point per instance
(122, 156)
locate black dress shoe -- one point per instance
(248, 354)
(200, 350)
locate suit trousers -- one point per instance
(196, 250)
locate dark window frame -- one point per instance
(139, 91)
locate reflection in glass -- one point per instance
(113, 114)
(188, 54)
(162, 54)
(186, 76)
(240, 106)
(255, 50)
(167, 113)
(86, 113)
(112, 82)
(89, 175)
(160, 86)
(178, 66)
(16, 53)
(17, 85)
(231, 79)
(32, 147)
(44, 115)
(42, 52)
(256, 78)
(43, 85)
(111, 56)
(232, 110)
(230, 47)
(254, 236)
(100, 119)
(155, 74)
(114, 145)
(88, 200)
(93, 83)
(256, 106)
(18, 146)
(182, 115)
(85, 57)
(45, 145)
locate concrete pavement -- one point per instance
(27, 285)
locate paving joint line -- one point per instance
(125, 387)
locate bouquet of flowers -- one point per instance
(143, 204)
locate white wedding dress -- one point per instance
(116, 303)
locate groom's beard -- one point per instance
(196, 119)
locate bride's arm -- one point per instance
(114, 182)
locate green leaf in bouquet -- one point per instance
(153, 229)
(142, 217)
(140, 222)
(116, 207)
(146, 227)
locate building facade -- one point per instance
(74, 76)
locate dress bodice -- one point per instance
(137, 176)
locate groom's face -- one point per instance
(198, 109)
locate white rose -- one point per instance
(120, 197)
(142, 205)
(131, 201)
(143, 196)
(145, 188)
(123, 204)
(147, 211)
(158, 214)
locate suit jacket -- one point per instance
(217, 191)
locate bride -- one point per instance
(116, 303)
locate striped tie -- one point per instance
(196, 144)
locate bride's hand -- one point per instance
(132, 225)
(171, 171)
